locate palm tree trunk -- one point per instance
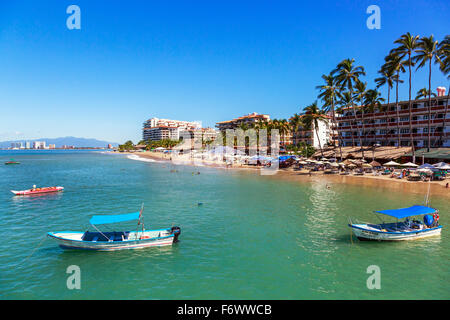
(333, 114)
(363, 128)
(387, 111)
(429, 110)
(398, 112)
(318, 139)
(354, 113)
(410, 112)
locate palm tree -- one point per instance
(329, 93)
(347, 75)
(444, 66)
(372, 100)
(361, 89)
(284, 129)
(312, 116)
(387, 77)
(345, 102)
(397, 65)
(407, 46)
(295, 123)
(259, 125)
(427, 48)
(423, 93)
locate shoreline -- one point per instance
(436, 187)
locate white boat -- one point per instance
(116, 240)
(401, 230)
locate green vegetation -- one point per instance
(149, 145)
(127, 146)
(301, 149)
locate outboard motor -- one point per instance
(176, 232)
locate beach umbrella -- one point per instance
(366, 165)
(440, 165)
(424, 170)
(409, 164)
(334, 164)
(375, 164)
(347, 162)
(427, 166)
(352, 165)
(391, 164)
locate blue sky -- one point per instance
(193, 60)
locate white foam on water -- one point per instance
(135, 157)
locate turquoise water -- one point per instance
(254, 237)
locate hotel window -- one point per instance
(404, 130)
(404, 118)
(383, 131)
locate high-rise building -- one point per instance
(39, 145)
(16, 145)
(156, 129)
(391, 126)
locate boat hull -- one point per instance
(362, 232)
(72, 240)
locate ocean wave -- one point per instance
(135, 157)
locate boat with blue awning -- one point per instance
(116, 240)
(419, 222)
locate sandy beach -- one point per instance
(289, 174)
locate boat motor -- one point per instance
(176, 232)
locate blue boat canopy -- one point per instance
(408, 212)
(104, 219)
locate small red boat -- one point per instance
(37, 191)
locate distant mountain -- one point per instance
(68, 141)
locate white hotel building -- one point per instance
(156, 129)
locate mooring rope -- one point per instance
(40, 243)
